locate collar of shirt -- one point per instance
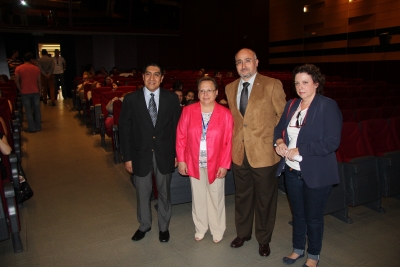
(147, 96)
(251, 81)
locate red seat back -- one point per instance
(127, 89)
(345, 103)
(376, 134)
(351, 145)
(348, 115)
(106, 97)
(385, 112)
(365, 114)
(96, 94)
(363, 102)
(394, 128)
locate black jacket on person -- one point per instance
(139, 138)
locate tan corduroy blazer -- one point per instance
(255, 131)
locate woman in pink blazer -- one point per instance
(204, 151)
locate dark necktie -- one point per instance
(153, 109)
(244, 98)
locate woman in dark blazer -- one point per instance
(306, 138)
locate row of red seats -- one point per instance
(9, 212)
(369, 157)
(367, 102)
(362, 114)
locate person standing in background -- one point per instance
(46, 65)
(59, 67)
(13, 62)
(27, 80)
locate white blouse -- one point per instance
(293, 133)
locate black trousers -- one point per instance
(256, 197)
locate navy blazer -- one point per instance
(317, 142)
(139, 138)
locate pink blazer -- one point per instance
(219, 140)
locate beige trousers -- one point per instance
(208, 205)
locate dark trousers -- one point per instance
(59, 81)
(31, 103)
(256, 197)
(144, 189)
(48, 86)
(308, 205)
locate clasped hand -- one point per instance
(283, 151)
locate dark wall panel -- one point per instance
(125, 51)
(83, 50)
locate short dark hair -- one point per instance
(205, 79)
(190, 91)
(28, 57)
(44, 52)
(152, 64)
(315, 74)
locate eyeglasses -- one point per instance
(246, 61)
(203, 92)
(298, 123)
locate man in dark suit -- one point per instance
(256, 103)
(147, 124)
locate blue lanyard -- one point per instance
(205, 126)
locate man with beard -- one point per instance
(256, 103)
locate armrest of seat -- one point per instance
(115, 139)
(13, 216)
(8, 189)
(14, 170)
(17, 145)
(392, 158)
(102, 129)
(97, 112)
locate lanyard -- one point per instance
(205, 126)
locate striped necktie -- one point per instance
(153, 109)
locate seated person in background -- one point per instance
(108, 82)
(128, 74)
(109, 121)
(3, 78)
(177, 85)
(218, 76)
(188, 97)
(89, 70)
(80, 87)
(229, 74)
(5, 149)
(179, 93)
(114, 72)
(102, 72)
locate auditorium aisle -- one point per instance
(83, 213)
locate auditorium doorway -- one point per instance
(51, 48)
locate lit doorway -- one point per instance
(51, 47)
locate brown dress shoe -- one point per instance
(239, 241)
(264, 250)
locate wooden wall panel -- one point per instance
(346, 25)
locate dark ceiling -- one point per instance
(103, 15)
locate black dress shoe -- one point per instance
(163, 236)
(287, 260)
(239, 241)
(264, 250)
(139, 235)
